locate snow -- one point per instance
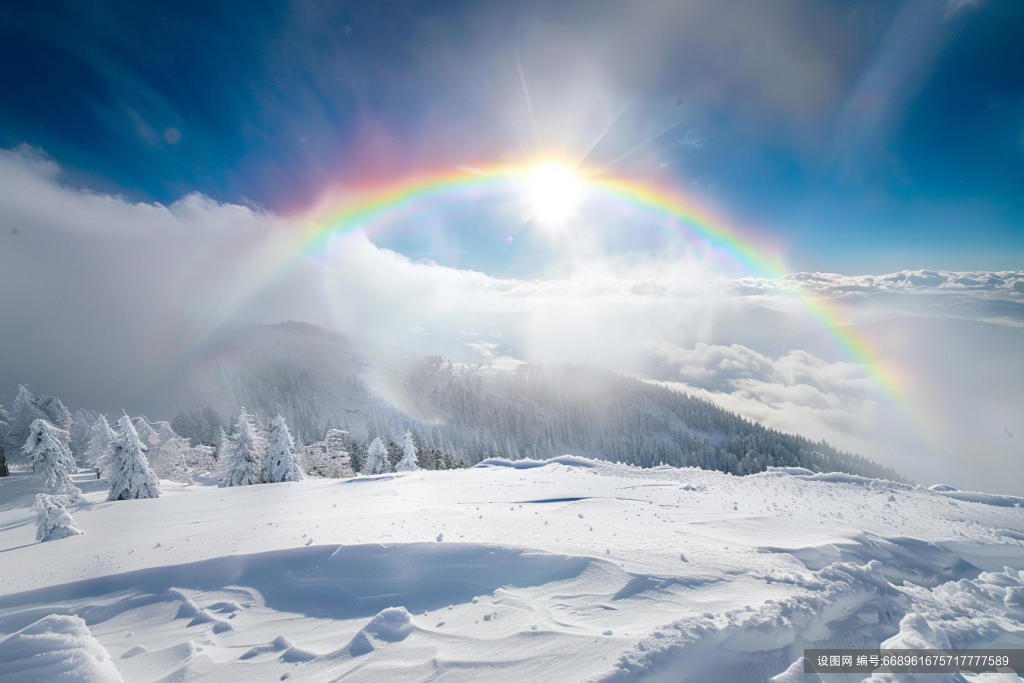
(561, 570)
(59, 649)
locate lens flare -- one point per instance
(554, 192)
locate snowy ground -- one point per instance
(570, 571)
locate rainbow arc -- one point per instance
(462, 186)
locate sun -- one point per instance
(554, 192)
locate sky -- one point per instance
(853, 273)
(866, 136)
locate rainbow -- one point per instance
(660, 206)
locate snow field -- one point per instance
(566, 570)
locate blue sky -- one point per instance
(866, 136)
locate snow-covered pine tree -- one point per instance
(52, 518)
(222, 444)
(169, 460)
(376, 458)
(81, 430)
(5, 426)
(408, 461)
(101, 438)
(23, 413)
(240, 462)
(147, 435)
(127, 467)
(46, 449)
(56, 413)
(280, 463)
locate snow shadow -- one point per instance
(341, 582)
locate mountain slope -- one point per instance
(317, 381)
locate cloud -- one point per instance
(797, 392)
(693, 139)
(102, 293)
(102, 296)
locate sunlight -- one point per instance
(554, 192)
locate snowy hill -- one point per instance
(567, 570)
(318, 381)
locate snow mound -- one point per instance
(279, 644)
(527, 464)
(391, 625)
(56, 649)
(984, 498)
(843, 478)
(795, 471)
(903, 560)
(727, 647)
(917, 634)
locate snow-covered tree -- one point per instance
(52, 518)
(81, 432)
(46, 449)
(23, 413)
(147, 435)
(240, 462)
(330, 458)
(55, 412)
(170, 460)
(222, 444)
(376, 458)
(101, 439)
(5, 426)
(280, 464)
(127, 467)
(408, 461)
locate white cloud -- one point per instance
(797, 392)
(102, 296)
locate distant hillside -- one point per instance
(318, 382)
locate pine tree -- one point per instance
(5, 426)
(376, 458)
(129, 473)
(23, 413)
(169, 460)
(242, 455)
(81, 430)
(101, 439)
(56, 413)
(222, 444)
(46, 449)
(147, 435)
(280, 464)
(408, 461)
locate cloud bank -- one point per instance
(102, 296)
